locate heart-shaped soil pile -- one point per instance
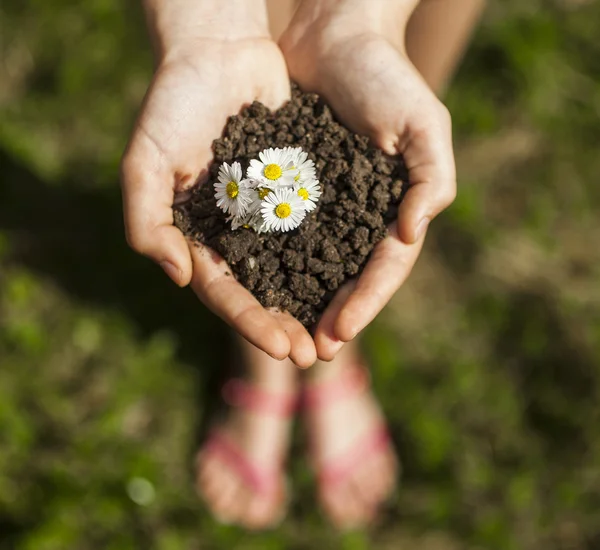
(300, 271)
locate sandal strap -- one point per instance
(258, 478)
(355, 379)
(373, 443)
(239, 393)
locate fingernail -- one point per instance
(173, 272)
(421, 228)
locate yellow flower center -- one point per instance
(303, 193)
(283, 210)
(232, 190)
(273, 171)
(263, 192)
(297, 176)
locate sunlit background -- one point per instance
(487, 361)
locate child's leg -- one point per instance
(437, 35)
(436, 38)
(355, 464)
(257, 433)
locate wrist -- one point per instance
(177, 25)
(387, 18)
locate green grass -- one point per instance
(487, 362)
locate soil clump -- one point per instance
(301, 270)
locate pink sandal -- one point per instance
(354, 380)
(241, 394)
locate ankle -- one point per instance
(280, 377)
(322, 372)
(265, 372)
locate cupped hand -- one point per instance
(193, 92)
(375, 90)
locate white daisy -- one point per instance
(282, 210)
(254, 199)
(238, 221)
(252, 220)
(274, 169)
(305, 166)
(309, 191)
(293, 152)
(257, 223)
(231, 191)
(258, 194)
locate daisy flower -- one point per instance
(305, 166)
(257, 223)
(274, 169)
(309, 191)
(282, 210)
(238, 221)
(252, 220)
(231, 191)
(255, 195)
(258, 194)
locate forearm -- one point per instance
(437, 35)
(179, 24)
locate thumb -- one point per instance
(429, 157)
(148, 214)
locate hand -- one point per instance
(202, 78)
(374, 89)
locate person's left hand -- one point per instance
(376, 91)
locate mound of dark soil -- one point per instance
(301, 270)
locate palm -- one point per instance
(185, 110)
(192, 96)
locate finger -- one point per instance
(429, 157)
(221, 293)
(303, 352)
(275, 94)
(327, 343)
(389, 266)
(148, 214)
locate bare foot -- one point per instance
(240, 473)
(356, 465)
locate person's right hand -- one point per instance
(199, 82)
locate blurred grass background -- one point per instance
(487, 362)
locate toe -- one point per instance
(222, 500)
(238, 505)
(365, 483)
(263, 511)
(353, 511)
(363, 508)
(208, 475)
(341, 505)
(385, 482)
(333, 507)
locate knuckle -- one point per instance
(130, 168)
(437, 121)
(423, 132)
(136, 242)
(126, 164)
(448, 195)
(444, 115)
